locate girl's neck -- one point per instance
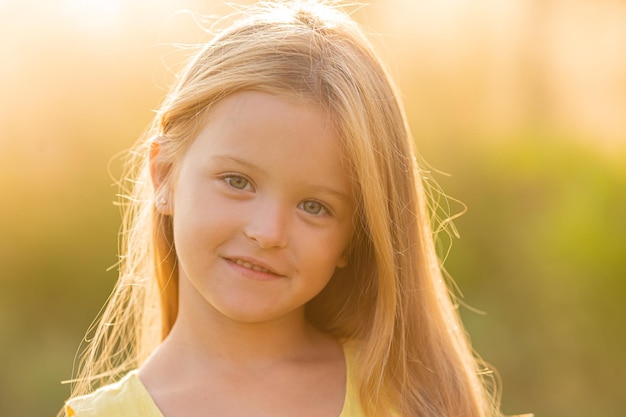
(204, 335)
(223, 339)
(212, 367)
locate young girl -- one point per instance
(278, 258)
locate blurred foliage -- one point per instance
(541, 253)
(542, 247)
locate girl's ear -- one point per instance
(343, 260)
(158, 173)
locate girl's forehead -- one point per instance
(255, 113)
(259, 124)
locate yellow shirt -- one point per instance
(130, 398)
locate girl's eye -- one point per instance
(313, 207)
(237, 182)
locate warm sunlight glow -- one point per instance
(517, 106)
(93, 15)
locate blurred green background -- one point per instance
(519, 105)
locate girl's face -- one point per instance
(262, 209)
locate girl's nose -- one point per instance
(268, 225)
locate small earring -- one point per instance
(161, 202)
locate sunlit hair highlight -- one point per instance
(391, 299)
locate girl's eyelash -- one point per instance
(236, 181)
(323, 208)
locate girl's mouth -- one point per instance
(249, 265)
(254, 265)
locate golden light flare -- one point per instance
(479, 65)
(93, 15)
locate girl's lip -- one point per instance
(253, 265)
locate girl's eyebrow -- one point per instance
(345, 198)
(233, 159)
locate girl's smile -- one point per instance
(262, 209)
(253, 265)
(254, 269)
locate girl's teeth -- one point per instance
(250, 266)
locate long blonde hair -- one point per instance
(392, 300)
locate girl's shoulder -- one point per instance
(127, 397)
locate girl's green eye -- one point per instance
(313, 207)
(237, 182)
